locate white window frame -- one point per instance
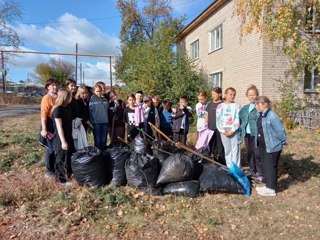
(194, 50)
(216, 38)
(315, 18)
(313, 81)
(215, 79)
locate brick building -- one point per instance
(212, 40)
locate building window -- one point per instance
(215, 38)
(311, 79)
(215, 79)
(313, 19)
(194, 51)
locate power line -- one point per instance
(71, 21)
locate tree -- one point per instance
(292, 24)
(140, 26)
(148, 60)
(10, 11)
(57, 68)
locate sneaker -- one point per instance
(267, 192)
(258, 189)
(65, 184)
(49, 175)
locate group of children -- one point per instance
(255, 123)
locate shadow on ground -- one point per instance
(293, 171)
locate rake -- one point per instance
(234, 170)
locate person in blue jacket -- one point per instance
(270, 138)
(98, 111)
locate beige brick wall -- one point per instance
(245, 61)
(275, 68)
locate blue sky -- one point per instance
(56, 26)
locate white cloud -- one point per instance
(99, 71)
(68, 31)
(62, 37)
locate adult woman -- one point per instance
(46, 129)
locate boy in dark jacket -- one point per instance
(181, 115)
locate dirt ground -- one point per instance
(34, 207)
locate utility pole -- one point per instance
(3, 73)
(76, 62)
(110, 62)
(81, 73)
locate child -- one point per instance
(139, 110)
(270, 138)
(98, 109)
(128, 117)
(201, 110)
(227, 116)
(46, 128)
(71, 85)
(150, 115)
(116, 124)
(166, 119)
(216, 146)
(62, 141)
(248, 116)
(181, 115)
(82, 100)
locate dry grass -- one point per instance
(32, 206)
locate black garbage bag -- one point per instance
(141, 145)
(186, 189)
(142, 171)
(216, 179)
(199, 161)
(162, 145)
(89, 167)
(116, 158)
(176, 168)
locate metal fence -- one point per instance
(308, 119)
(10, 98)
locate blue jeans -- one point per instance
(49, 157)
(100, 131)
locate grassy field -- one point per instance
(33, 207)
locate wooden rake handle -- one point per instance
(159, 131)
(180, 145)
(122, 140)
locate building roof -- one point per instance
(211, 9)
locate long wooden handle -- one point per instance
(122, 140)
(160, 150)
(145, 134)
(180, 145)
(159, 131)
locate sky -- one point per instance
(56, 26)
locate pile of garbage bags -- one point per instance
(156, 168)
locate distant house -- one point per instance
(212, 40)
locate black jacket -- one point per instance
(178, 117)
